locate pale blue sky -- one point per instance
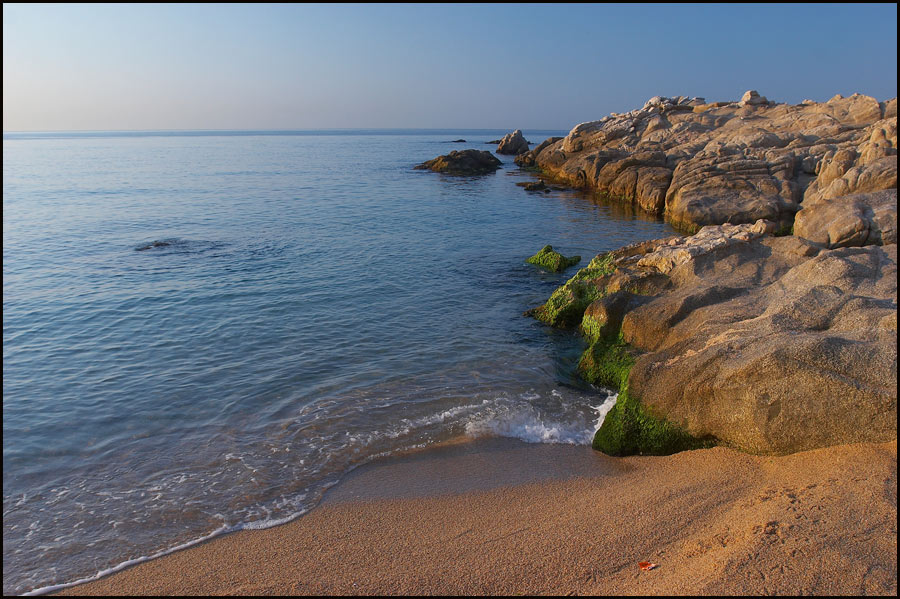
(112, 67)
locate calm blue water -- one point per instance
(312, 302)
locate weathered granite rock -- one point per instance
(774, 351)
(854, 220)
(513, 143)
(567, 304)
(767, 344)
(553, 261)
(463, 162)
(702, 163)
(684, 249)
(752, 98)
(527, 159)
(873, 176)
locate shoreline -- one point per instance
(499, 516)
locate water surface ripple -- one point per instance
(204, 332)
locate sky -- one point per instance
(496, 66)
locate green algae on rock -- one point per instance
(629, 428)
(567, 304)
(767, 344)
(554, 261)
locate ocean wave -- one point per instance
(527, 424)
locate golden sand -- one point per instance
(503, 517)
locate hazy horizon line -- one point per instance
(287, 129)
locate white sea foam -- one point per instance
(129, 563)
(527, 424)
(499, 416)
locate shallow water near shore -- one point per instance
(204, 331)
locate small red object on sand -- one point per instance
(647, 565)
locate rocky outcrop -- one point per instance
(752, 98)
(463, 162)
(700, 163)
(513, 143)
(553, 261)
(853, 220)
(734, 336)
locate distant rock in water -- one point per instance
(463, 162)
(513, 143)
(553, 261)
(458, 141)
(156, 244)
(494, 141)
(177, 245)
(533, 185)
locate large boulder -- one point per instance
(734, 336)
(463, 162)
(771, 347)
(752, 98)
(853, 220)
(513, 143)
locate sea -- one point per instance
(203, 331)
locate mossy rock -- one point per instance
(566, 306)
(629, 428)
(553, 261)
(607, 362)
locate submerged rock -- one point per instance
(160, 243)
(458, 141)
(733, 336)
(533, 185)
(513, 143)
(463, 162)
(553, 261)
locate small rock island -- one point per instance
(553, 261)
(463, 162)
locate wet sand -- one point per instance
(499, 516)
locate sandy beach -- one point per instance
(498, 516)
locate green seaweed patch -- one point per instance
(553, 261)
(591, 328)
(607, 361)
(565, 307)
(630, 429)
(686, 227)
